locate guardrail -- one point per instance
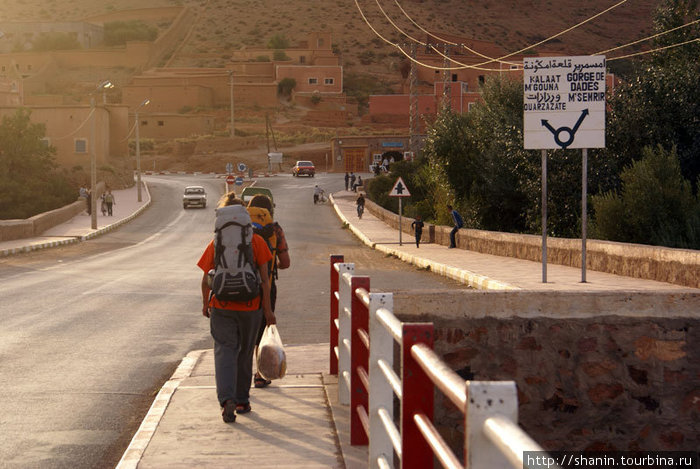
(364, 332)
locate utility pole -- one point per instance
(230, 84)
(446, 80)
(413, 118)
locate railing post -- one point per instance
(359, 359)
(344, 332)
(418, 392)
(381, 394)
(335, 259)
(486, 399)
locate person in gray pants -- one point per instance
(234, 327)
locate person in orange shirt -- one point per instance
(234, 327)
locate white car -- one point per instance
(194, 196)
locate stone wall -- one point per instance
(678, 266)
(595, 371)
(36, 225)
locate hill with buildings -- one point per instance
(213, 35)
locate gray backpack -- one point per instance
(235, 276)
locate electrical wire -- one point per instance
(697, 39)
(491, 59)
(92, 111)
(647, 38)
(418, 41)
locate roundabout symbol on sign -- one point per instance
(570, 131)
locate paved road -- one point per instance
(91, 331)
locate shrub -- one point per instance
(262, 58)
(278, 41)
(286, 86)
(655, 204)
(117, 33)
(279, 55)
(55, 41)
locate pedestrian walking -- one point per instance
(417, 226)
(347, 181)
(352, 181)
(103, 205)
(109, 201)
(262, 212)
(360, 202)
(458, 222)
(235, 325)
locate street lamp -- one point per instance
(93, 154)
(138, 147)
(230, 84)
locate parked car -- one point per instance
(304, 167)
(194, 196)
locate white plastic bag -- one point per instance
(271, 359)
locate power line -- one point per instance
(648, 38)
(697, 39)
(491, 59)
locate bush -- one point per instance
(117, 33)
(315, 99)
(279, 55)
(278, 41)
(262, 58)
(55, 41)
(655, 204)
(286, 86)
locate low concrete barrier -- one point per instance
(677, 266)
(36, 225)
(594, 371)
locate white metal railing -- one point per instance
(368, 332)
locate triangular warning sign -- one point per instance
(399, 189)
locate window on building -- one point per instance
(144, 122)
(513, 67)
(482, 79)
(313, 81)
(46, 142)
(302, 59)
(454, 77)
(465, 87)
(29, 67)
(161, 123)
(470, 106)
(80, 145)
(329, 81)
(3, 68)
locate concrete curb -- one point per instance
(467, 277)
(36, 247)
(134, 452)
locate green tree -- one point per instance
(278, 41)
(29, 180)
(280, 55)
(660, 104)
(655, 204)
(286, 86)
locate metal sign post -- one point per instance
(400, 190)
(584, 210)
(564, 107)
(544, 216)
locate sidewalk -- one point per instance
(79, 227)
(297, 422)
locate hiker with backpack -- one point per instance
(235, 297)
(261, 212)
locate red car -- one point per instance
(304, 167)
